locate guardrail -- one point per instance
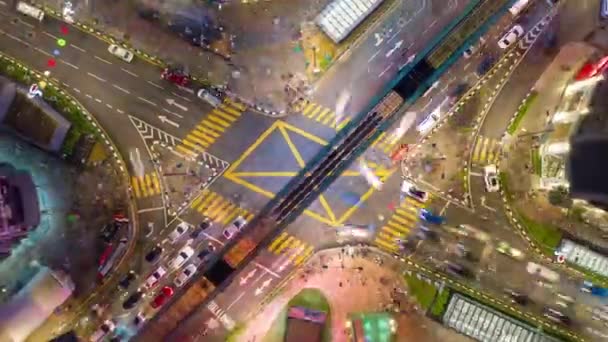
(116, 157)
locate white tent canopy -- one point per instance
(341, 17)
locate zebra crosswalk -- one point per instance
(146, 185)
(210, 128)
(385, 143)
(293, 250)
(218, 208)
(486, 151)
(403, 220)
(320, 114)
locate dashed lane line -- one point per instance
(103, 60)
(96, 77)
(184, 98)
(155, 85)
(78, 48)
(129, 72)
(147, 101)
(69, 64)
(121, 89)
(50, 35)
(43, 52)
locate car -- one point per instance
(127, 279)
(132, 300)
(410, 189)
(234, 227)
(161, 298)
(200, 229)
(518, 298)
(178, 232)
(430, 121)
(154, 254)
(504, 248)
(107, 327)
(176, 75)
(109, 231)
(203, 254)
(469, 51)
(511, 37)
(121, 53)
(556, 316)
(208, 97)
(139, 320)
(182, 256)
(490, 176)
(458, 270)
(429, 217)
(186, 274)
(205, 224)
(155, 277)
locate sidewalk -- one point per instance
(349, 290)
(259, 54)
(518, 163)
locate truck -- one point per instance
(34, 304)
(239, 251)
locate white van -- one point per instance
(29, 10)
(211, 99)
(427, 124)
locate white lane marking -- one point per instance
(129, 72)
(68, 63)
(433, 23)
(185, 98)
(385, 70)
(103, 60)
(155, 85)
(467, 66)
(43, 52)
(78, 48)
(15, 38)
(394, 35)
(77, 90)
(108, 105)
(146, 100)
(188, 90)
(96, 77)
(476, 174)
(120, 111)
(170, 112)
(121, 89)
(98, 100)
(89, 96)
(149, 210)
(373, 56)
(26, 24)
(50, 35)
(2, 3)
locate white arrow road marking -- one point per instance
(164, 119)
(172, 102)
(410, 59)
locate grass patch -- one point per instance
(63, 104)
(521, 112)
(423, 292)
(308, 298)
(536, 161)
(441, 303)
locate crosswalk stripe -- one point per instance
(195, 139)
(249, 216)
(185, 150)
(406, 214)
(386, 237)
(315, 111)
(232, 111)
(202, 208)
(225, 212)
(283, 245)
(156, 183)
(230, 217)
(403, 228)
(322, 114)
(135, 183)
(484, 150)
(343, 123)
(295, 244)
(476, 149)
(214, 207)
(218, 121)
(391, 230)
(198, 200)
(277, 241)
(205, 128)
(308, 108)
(143, 185)
(193, 145)
(225, 116)
(299, 251)
(235, 104)
(201, 135)
(213, 126)
(386, 245)
(302, 257)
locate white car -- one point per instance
(155, 277)
(106, 327)
(186, 274)
(179, 231)
(430, 121)
(490, 177)
(182, 256)
(511, 37)
(211, 99)
(410, 189)
(121, 53)
(234, 227)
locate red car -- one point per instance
(163, 295)
(176, 76)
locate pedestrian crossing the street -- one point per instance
(292, 249)
(218, 208)
(210, 128)
(486, 151)
(320, 114)
(404, 219)
(146, 185)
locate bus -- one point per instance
(518, 7)
(29, 10)
(108, 264)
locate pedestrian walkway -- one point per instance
(320, 114)
(385, 143)
(404, 219)
(292, 250)
(219, 209)
(210, 128)
(146, 185)
(486, 151)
